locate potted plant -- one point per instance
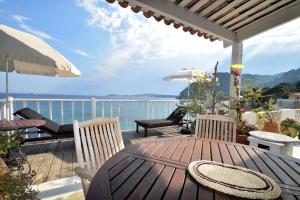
(268, 116)
(243, 129)
(13, 184)
(289, 127)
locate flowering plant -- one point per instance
(243, 127)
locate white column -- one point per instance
(236, 58)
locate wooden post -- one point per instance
(215, 89)
(236, 58)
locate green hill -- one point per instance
(262, 81)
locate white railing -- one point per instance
(66, 110)
(288, 103)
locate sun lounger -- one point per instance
(176, 118)
(54, 130)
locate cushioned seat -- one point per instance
(52, 128)
(175, 118)
(155, 123)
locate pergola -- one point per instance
(231, 21)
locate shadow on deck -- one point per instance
(57, 159)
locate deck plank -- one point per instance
(46, 164)
(57, 159)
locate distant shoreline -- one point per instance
(69, 96)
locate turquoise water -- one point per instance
(127, 111)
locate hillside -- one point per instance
(263, 81)
(260, 80)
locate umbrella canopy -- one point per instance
(28, 54)
(185, 75)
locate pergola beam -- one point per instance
(180, 15)
(270, 21)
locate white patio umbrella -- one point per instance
(27, 54)
(185, 75)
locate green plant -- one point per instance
(267, 111)
(16, 186)
(8, 141)
(201, 94)
(243, 128)
(290, 123)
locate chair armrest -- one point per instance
(85, 173)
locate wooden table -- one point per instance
(158, 170)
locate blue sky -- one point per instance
(121, 52)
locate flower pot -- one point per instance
(242, 139)
(3, 167)
(271, 127)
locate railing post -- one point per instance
(93, 108)
(10, 108)
(146, 109)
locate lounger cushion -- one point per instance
(155, 123)
(50, 126)
(178, 114)
(66, 129)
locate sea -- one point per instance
(127, 107)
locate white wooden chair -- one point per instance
(96, 141)
(216, 127)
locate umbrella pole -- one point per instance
(6, 75)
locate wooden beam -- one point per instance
(186, 17)
(234, 12)
(270, 21)
(260, 6)
(225, 9)
(271, 8)
(211, 7)
(198, 5)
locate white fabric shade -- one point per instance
(28, 54)
(185, 75)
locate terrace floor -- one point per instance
(57, 159)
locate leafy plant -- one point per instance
(243, 128)
(288, 122)
(8, 141)
(201, 94)
(16, 186)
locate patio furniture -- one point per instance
(175, 118)
(96, 141)
(53, 129)
(274, 142)
(217, 127)
(157, 169)
(16, 162)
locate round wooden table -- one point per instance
(157, 169)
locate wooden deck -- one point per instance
(57, 159)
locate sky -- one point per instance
(121, 52)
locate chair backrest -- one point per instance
(178, 114)
(217, 127)
(97, 140)
(28, 113)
